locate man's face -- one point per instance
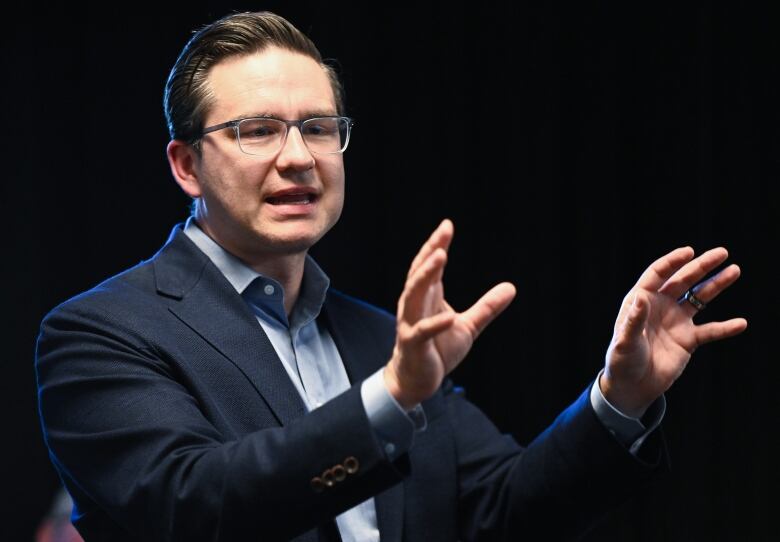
(260, 206)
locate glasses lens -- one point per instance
(326, 135)
(261, 136)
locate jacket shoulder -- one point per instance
(145, 285)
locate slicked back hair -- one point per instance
(187, 95)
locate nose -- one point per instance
(294, 155)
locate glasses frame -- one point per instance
(288, 124)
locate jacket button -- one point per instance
(327, 478)
(351, 465)
(317, 484)
(339, 473)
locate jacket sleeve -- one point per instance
(556, 488)
(143, 462)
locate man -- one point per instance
(222, 390)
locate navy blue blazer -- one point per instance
(169, 416)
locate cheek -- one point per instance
(337, 203)
(238, 185)
(336, 188)
(332, 173)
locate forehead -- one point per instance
(272, 82)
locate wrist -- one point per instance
(393, 384)
(623, 398)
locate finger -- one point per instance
(440, 238)
(663, 268)
(490, 305)
(634, 323)
(434, 296)
(715, 331)
(693, 271)
(428, 328)
(411, 305)
(712, 287)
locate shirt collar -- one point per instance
(264, 293)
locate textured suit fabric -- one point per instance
(170, 417)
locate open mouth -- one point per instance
(292, 198)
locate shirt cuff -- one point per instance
(394, 427)
(629, 431)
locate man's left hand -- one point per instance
(654, 333)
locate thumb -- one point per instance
(489, 306)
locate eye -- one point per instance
(321, 127)
(255, 129)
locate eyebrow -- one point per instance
(306, 114)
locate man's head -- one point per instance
(187, 95)
(255, 205)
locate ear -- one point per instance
(184, 165)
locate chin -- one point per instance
(287, 237)
(290, 247)
(292, 243)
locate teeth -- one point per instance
(291, 199)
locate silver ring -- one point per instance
(693, 300)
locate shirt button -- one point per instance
(269, 289)
(389, 448)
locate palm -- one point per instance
(438, 356)
(655, 334)
(453, 345)
(664, 346)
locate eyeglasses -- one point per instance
(263, 136)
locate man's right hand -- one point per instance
(431, 338)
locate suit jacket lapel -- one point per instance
(202, 298)
(362, 357)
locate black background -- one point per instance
(570, 145)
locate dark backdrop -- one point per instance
(571, 147)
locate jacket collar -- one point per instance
(202, 298)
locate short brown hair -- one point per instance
(187, 96)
